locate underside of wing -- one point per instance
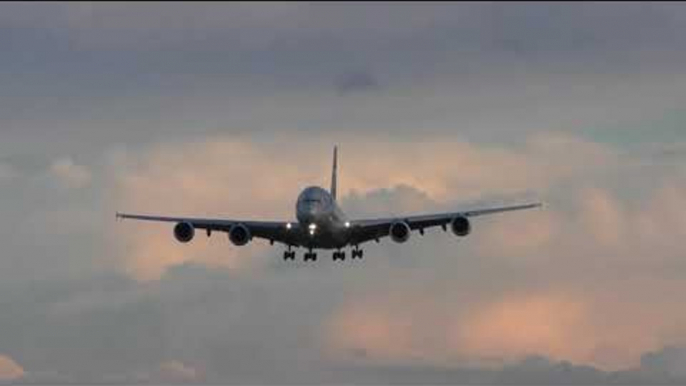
(398, 228)
(240, 232)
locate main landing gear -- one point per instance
(289, 254)
(337, 255)
(357, 253)
(310, 256)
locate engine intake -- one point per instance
(239, 234)
(460, 226)
(184, 232)
(400, 231)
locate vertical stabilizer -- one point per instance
(334, 173)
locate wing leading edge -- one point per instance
(279, 231)
(374, 229)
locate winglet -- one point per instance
(334, 173)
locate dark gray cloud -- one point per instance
(217, 327)
(356, 81)
(533, 370)
(225, 327)
(145, 72)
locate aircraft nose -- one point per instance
(310, 213)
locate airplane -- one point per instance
(321, 224)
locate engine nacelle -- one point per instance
(400, 231)
(239, 234)
(460, 226)
(184, 232)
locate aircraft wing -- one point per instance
(278, 231)
(374, 229)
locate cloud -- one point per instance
(353, 82)
(441, 333)
(670, 361)
(177, 372)
(230, 329)
(517, 327)
(559, 259)
(9, 369)
(443, 65)
(562, 259)
(211, 179)
(70, 174)
(595, 257)
(531, 370)
(7, 172)
(585, 225)
(230, 109)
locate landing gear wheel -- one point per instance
(338, 255)
(289, 255)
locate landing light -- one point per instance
(347, 224)
(312, 227)
(288, 225)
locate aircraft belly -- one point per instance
(324, 240)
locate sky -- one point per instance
(230, 109)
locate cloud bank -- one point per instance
(228, 110)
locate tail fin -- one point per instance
(334, 173)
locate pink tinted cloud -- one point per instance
(9, 369)
(572, 246)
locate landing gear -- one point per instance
(310, 256)
(289, 254)
(357, 253)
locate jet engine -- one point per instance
(460, 226)
(239, 234)
(184, 232)
(400, 231)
